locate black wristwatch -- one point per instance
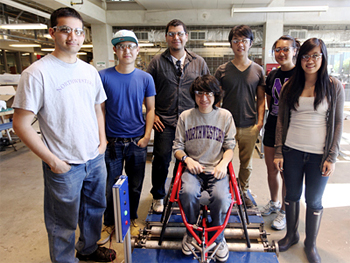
(183, 158)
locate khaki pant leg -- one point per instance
(246, 138)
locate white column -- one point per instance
(103, 48)
(273, 30)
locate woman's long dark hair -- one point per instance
(295, 86)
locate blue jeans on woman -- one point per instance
(219, 201)
(135, 162)
(296, 165)
(75, 197)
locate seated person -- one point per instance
(204, 141)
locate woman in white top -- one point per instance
(308, 133)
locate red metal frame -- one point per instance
(235, 199)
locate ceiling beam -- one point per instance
(26, 8)
(334, 15)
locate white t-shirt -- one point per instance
(63, 96)
(307, 128)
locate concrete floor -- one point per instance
(24, 238)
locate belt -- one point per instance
(119, 139)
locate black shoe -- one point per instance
(248, 203)
(313, 222)
(101, 254)
(292, 218)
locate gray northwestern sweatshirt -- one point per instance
(205, 137)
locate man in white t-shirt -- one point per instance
(66, 95)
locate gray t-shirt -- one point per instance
(205, 137)
(240, 89)
(63, 96)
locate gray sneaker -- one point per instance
(279, 223)
(270, 208)
(158, 206)
(222, 253)
(186, 245)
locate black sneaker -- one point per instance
(101, 254)
(248, 202)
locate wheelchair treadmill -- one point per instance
(161, 239)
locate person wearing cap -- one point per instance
(66, 94)
(127, 132)
(173, 72)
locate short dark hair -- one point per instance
(207, 83)
(241, 31)
(64, 12)
(175, 23)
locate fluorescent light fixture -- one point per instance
(25, 45)
(24, 26)
(47, 36)
(47, 49)
(146, 44)
(81, 53)
(25, 54)
(279, 9)
(216, 44)
(87, 46)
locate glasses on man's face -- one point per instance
(123, 47)
(314, 57)
(284, 49)
(202, 93)
(67, 30)
(173, 34)
(244, 41)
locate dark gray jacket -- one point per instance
(334, 124)
(173, 96)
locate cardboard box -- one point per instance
(7, 93)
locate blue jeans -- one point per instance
(135, 162)
(296, 164)
(162, 151)
(219, 201)
(75, 197)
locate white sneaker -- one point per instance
(270, 208)
(186, 245)
(157, 205)
(222, 253)
(279, 222)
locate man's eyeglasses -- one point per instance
(68, 30)
(173, 34)
(202, 93)
(244, 41)
(123, 47)
(314, 57)
(284, 49)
